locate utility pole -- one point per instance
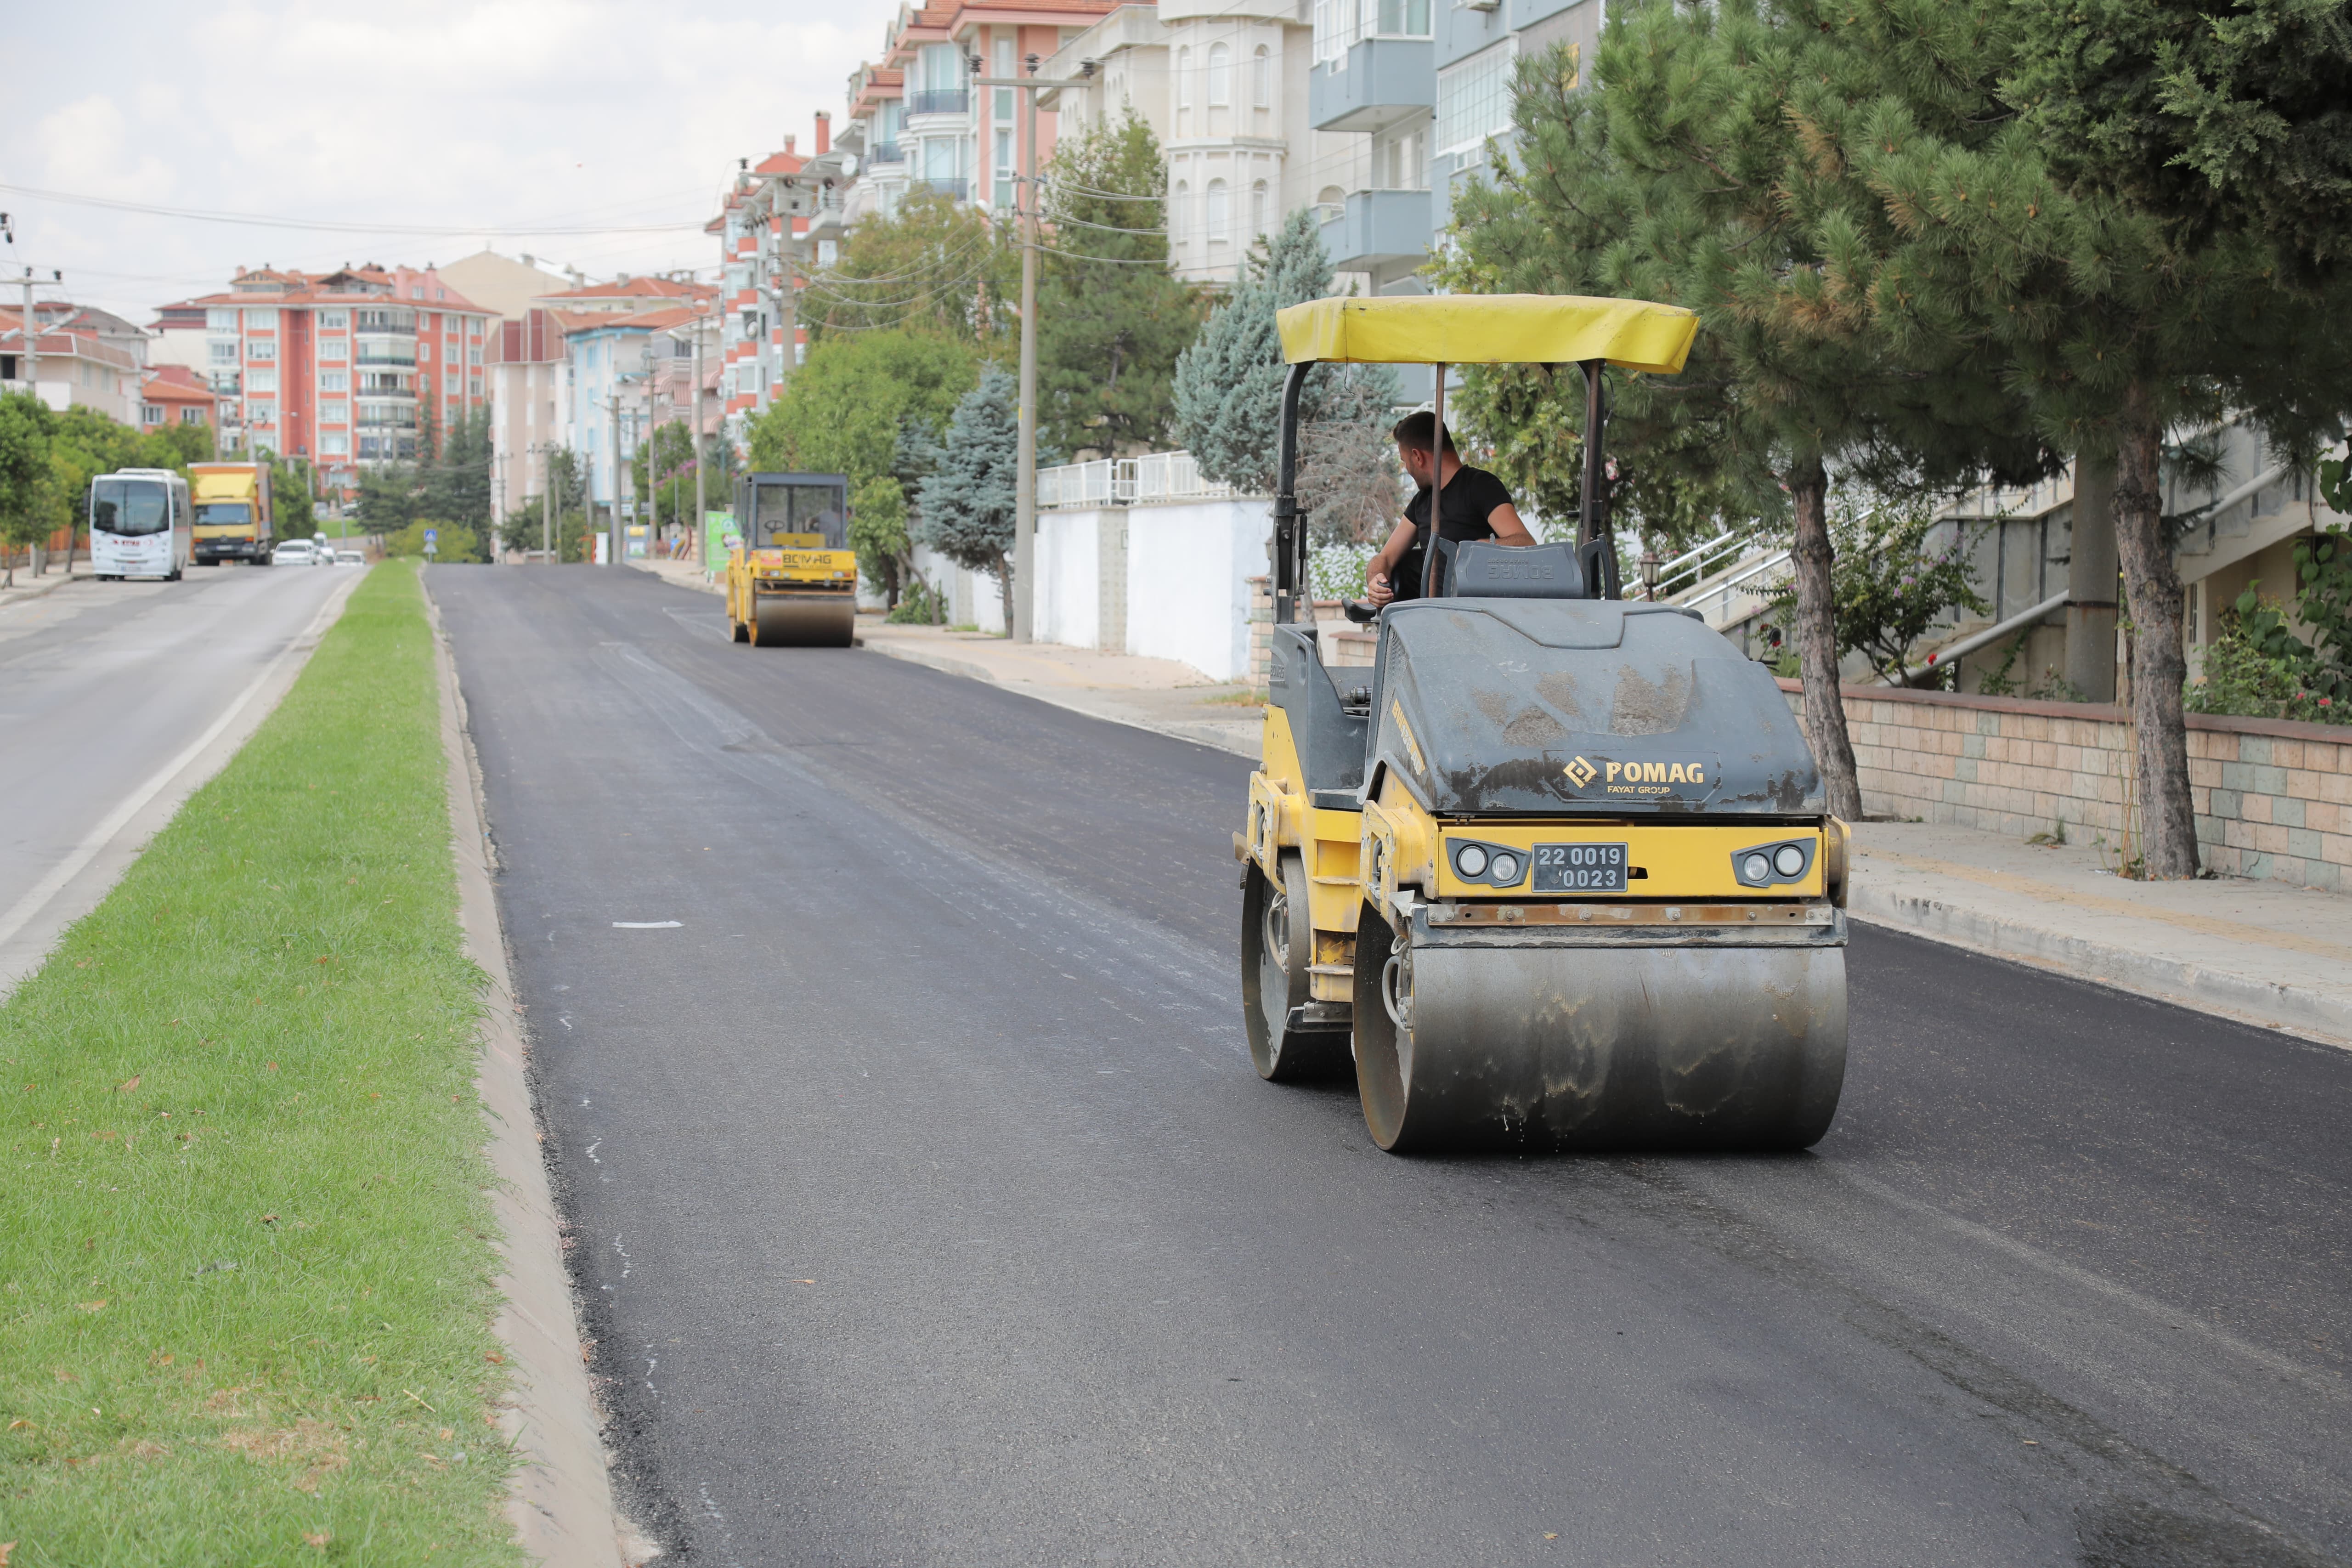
(1032, 210)
(699, 503)
(613, 524)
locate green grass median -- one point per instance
(245, 1244)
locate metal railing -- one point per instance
(1693, 567)
(954, 190)
(940, 101)
(1128, 481)
(886, 153)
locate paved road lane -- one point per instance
(102, 687)
(929, 1210)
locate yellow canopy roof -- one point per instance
(1488, 329)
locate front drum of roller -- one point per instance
(1598, 1046)
(787, 620)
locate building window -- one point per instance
(259, 349)
(1180, 214)
(261, 381)
(333, 348)
(334, 380)
(449, 383)
(150, 413)
(1260, 79)
(1405, 18)
(264, 316)
(333, 320)
(220, 318)
(228, 413)
(1220, 217)
(1258, 210)
(1183, 86)
(1409, 162)
(474, 356)
(424, 352)
(474, 386)
(1004, 67)
(333, 411)
(1473, 100)
(192, 414)
(222, 350)
(334, 444)
(263, 412)
(1004, 168)
(1221, 77)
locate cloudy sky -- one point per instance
(483, 118)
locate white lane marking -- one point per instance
(646, 925)
(20, 914)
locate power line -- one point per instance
(412, 230)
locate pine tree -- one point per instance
(1111, 318)
(2118, 322)
(1229, 382)
(1703, 170)
(967, 502)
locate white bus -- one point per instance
(141, 525)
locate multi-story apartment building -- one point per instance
(1224, 86)
(78, 364)
(348, 368)
(1422, 88)
(777, 220)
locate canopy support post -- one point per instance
(1289, 521)
(1436, 486)
(1593, 520)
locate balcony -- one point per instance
(386, 419)
(955, 101)
(1378, 229)
(953, 190)
(373, 323)
(886, 153)
(1377, 83)
(368, 355)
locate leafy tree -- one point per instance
(1111, 318)
(27, 509)
(1349, 476)
(455, 544)
(2115, 317)
(1888, 588)
(295, 515)
(967, 502)
(934, 265)
(849, 411)
(2212, 119)
(390, 498)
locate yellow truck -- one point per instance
(792, 579)
(234, 520)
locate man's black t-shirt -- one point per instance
(1471, 496)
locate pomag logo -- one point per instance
(1686, 777)
(1580, 772)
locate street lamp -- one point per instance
(1649, 566)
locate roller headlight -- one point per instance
(1470, 860)
(1757, 867)
(1506, 871)
(1789, 860)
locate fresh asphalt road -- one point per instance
(115, 698)
(927, 1210)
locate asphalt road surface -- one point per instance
(116, 700)
(928, 1212)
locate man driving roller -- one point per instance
(1473, 504)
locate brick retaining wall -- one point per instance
(2273, 800)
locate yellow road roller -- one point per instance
(792, 580)
(1557, 869)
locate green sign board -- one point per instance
(718, 533)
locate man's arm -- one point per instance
(1509, 530)
(1377, 571)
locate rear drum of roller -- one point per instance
(1597, 1046)
(789, 620)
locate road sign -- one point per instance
(431, 536)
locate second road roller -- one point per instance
(792, 582)
(1556, 868)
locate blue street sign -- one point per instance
(431, 536)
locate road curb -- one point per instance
(37, 591)
(2310, 1013)
(561, 1495)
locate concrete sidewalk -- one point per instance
(2263, 952)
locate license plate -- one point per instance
(1579, 868)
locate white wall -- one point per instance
(1070, 584)
(1188, 571)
